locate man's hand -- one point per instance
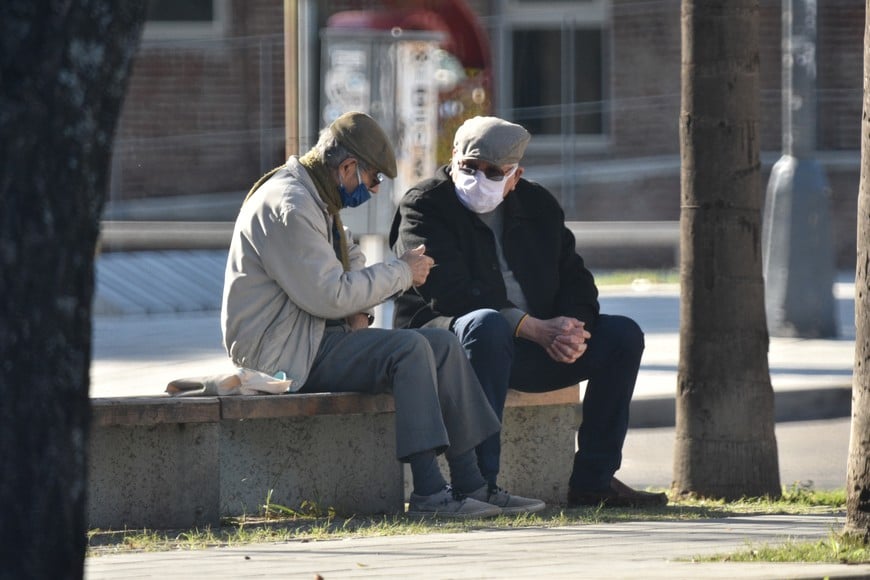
(420, 264)
(562, 337)
(358, 321)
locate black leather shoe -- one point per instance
(617, 495)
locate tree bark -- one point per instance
(725, 440)
(63, 72)
(858, 468)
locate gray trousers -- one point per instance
(440, 404)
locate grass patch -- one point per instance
(799, 498)
(836, 549)
(636, 277)
(311, 523)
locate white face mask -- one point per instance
(477, 192)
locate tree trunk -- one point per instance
(63, 71)
(725, 440)
(858, 468)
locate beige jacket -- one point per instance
(283, 279)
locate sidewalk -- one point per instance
(630, 550)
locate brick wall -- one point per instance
(645, 75)
(199, 116)
(840, 70)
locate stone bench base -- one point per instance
(164, 462)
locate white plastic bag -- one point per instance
(242, 382)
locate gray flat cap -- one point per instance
(492, 140)
(365, 139)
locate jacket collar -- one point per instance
(298, 172)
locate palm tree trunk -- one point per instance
(858, 468)
(725, 440)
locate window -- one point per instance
(557, 75)
(554, 81)
(185, 18)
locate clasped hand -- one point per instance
(563, 338)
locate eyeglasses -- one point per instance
(379, 178)
(492, 172)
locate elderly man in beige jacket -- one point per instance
(298, 299)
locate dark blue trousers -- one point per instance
(610, 364)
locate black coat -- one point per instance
(537, 246)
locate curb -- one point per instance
(791, 405)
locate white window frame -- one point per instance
(524, 15)
(190, 29)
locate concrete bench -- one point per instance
(161, 462)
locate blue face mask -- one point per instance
(356, 197)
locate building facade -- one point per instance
(597, 82)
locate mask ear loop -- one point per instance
(510, 173)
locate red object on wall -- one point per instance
(464, 38)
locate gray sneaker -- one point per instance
(509, 504)
(449, 503)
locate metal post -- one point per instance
(797, 241)
(266, 161)
(291, 73)
(308, 81)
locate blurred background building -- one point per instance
(597, 82)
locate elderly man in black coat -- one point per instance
(511, 286)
